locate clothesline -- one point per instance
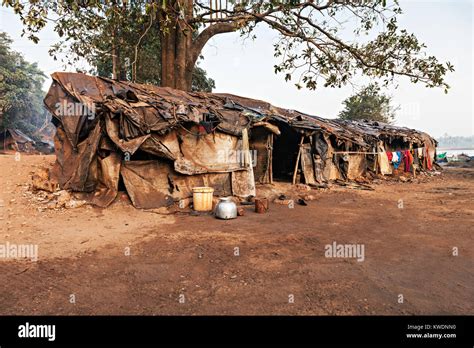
(411, 162)
(357, 152)
(373, 153)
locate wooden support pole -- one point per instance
(270, 170)
(298, 159)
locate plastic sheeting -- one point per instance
(163, 142)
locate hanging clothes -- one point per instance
(383, 162)
(420, 152)
(342, 163)
(318, 168)
(320, 145)
(399, 156)
(394, 157)
(429, 165)
(389, 156)
(407, 160)
(416, 160)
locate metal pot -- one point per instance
(226, 209)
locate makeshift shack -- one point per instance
(45, 147)
(16, 140)
(158, 143)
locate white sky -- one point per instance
(245, 67)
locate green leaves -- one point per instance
(310, 46)
(369, 104)
(314, 46)
(201, 82)
(21, 104)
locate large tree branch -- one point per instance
(215, 29)
(217, 14)
(354, 52)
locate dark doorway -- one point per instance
(285, 150)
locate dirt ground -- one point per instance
(181, 264)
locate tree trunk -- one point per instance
(176, 40)
(179, 51)
(180, 60)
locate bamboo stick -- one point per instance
(298, 160)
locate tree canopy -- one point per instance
(136, 46)
(321, 42)
(21, 101)
(369, 104)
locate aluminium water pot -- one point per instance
(226, 209)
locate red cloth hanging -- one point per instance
(429, 165)
(407, 160)
(389, 155)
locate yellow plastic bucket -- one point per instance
(202, 198)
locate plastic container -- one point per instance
(202, 198)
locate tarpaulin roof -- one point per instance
(378, 130)
(19, 136)
(145, 108)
